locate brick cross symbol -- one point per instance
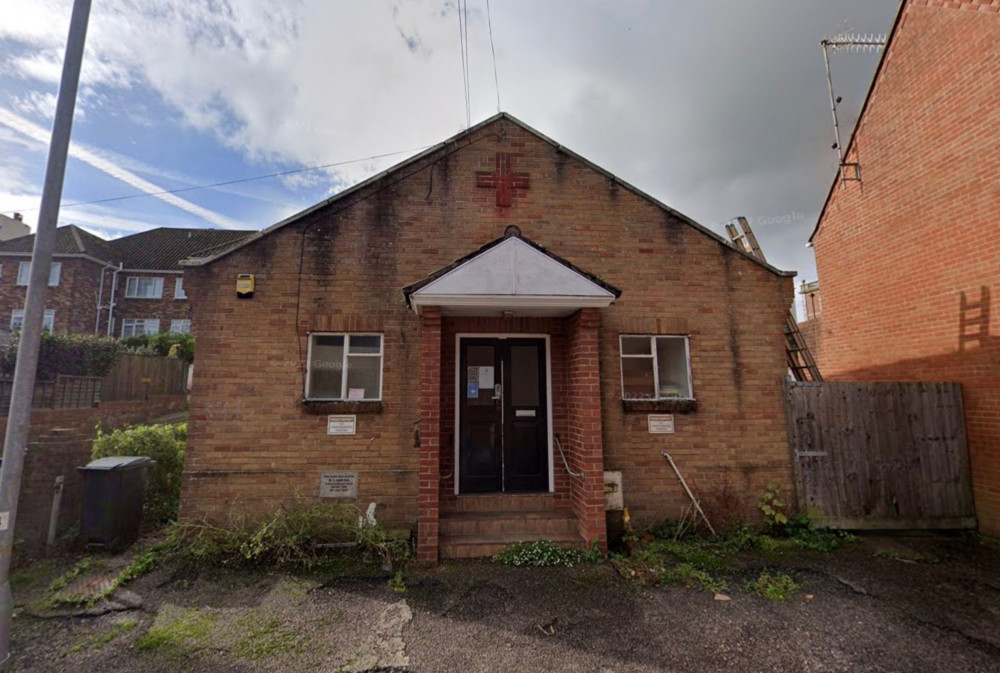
(503, 179)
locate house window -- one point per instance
(48, 319)
(24, 273)
(180, 326)
(344, 367)
(179, 288)
(139, 287)
(133, 327)
(655, 368)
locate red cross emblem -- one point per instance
(503, 179)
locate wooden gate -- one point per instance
(880, 455)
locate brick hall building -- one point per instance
(472, 339)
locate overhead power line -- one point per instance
(496, 80)
(225, 182)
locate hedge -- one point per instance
(66, 354)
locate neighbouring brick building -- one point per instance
(908, 256)
(580, 313)
(125, 287)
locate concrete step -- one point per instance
(551, 522)
(504, 502)
(480, 546)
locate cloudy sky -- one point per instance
(718, 108)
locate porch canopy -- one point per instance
(510, 276)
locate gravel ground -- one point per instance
(900, 603)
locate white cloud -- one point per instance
(112, 169)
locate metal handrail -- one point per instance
(578, 475)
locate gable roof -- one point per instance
(164, 247)
(512, 266)
(210, 258)
(876, 78)
(70, 240)
(161, 249)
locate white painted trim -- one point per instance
(655, 360)
(343, 382)
(548, 391)
(509, 301)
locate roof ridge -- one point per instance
(500, 116)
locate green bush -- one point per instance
(180, 346)
(67, 355)
(164, 444)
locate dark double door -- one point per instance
(503, 416)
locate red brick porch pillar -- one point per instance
(430, 434)
(585, 444)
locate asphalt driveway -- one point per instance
(900, 603)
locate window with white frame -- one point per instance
(179, 292)
(655, 367)
(24, 273)
(133, 327)
(344, 367)
(48, 319)
(180, 326)
(143, 287)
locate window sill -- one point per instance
(680, 406)
(320, 407)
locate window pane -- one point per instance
(54, 272)
(363, 374)
(524, 382)
(364, 344)
(23, 273)
(635, 346)
(326, 367)
(637, 378)
(671, 357)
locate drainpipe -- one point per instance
(100, 296)
(111, 300)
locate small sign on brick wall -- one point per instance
(341, 425)
(660, 424)
(338, 485)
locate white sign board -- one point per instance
(338, 485)
(341, 425)
(660, 424)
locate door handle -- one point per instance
(497, 392)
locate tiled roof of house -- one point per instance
(70, 240)
(164, 247)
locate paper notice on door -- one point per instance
(473, 391)
(472, 374)
(486, 377)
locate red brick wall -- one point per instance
(59, 441)
(252, 444)
(166, 308)
(896, 252)
(74, 299)
(584, 437)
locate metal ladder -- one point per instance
(801, 363)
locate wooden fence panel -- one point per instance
(136, 377)
(880, 455)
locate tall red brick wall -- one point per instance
(253, 443)
(896, 251)
(59, 441)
